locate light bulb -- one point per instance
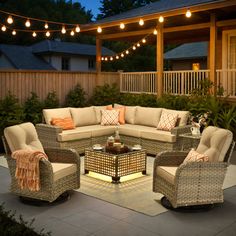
(122, 25)
(188, 13)
(134, 48)
(122, 55)
(138, 44)
(155, 32)
(4, 28)
(27, 23)
(72, 33)
(13, 32)
(46, 26)
(127, 52)
(34, 34)
(9, 20)
(106, 59)
(77, 29)
(102, 58)
(144, 40)
(161, 19)
(99, 30)
(63, 30)
(48, 34)
(117, 57)
(141, 22)
(111, 58)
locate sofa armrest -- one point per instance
(181, 130)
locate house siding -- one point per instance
(5, 63)
(186, 64)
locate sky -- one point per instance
(90, 5)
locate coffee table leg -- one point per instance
(86, 171)
(115, 180)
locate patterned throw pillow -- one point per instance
(65, 124)
(121, 111)
(110, 117)
(194, 156)
(167, 121)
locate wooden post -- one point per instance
(159, 56)
(98, 61)
(212, 46)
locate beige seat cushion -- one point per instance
(167, 173)
(23, 136)
(159, 135)
(83, 116)
(75, 134)
(55, 113)
(130, 113)
(148, 116)
(215, 143)
(183, 116)
(100, 130)
(61, 170)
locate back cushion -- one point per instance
(55, 113)
(84, 116)
(98, 111)
(148, 116)
(23, 136)
(183, 116)
(215, 143)
(130, 112)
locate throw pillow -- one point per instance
(64, 123)
(110, 117)
(195, 156)
(167, 121)
(121, 113)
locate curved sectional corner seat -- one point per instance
(140, 128)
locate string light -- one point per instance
(106, 59)
(188, 13)
(48, 34)
(138, 45)
(4, 28)
(127, 52)
(72, 33)
(144, 40)
(13, 32)
(122, 25)
(141, 22)
(134, 48)
(155, 32)
(27, 23)
(117, 57)
(99, 29)
(46, 25)
(111, 58)
(63, 30)
(34, 34)
(77, 29)
(102, 58)
(122, 55)
(161, 19)
(10, 20)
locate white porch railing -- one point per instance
(176, 82)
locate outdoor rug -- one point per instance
(135, 194)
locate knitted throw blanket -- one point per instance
(27, 168)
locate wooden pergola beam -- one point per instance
(160, 59)
(98, 60)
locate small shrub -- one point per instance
(106, 94)
(76, 97)
(33, 109)
(51, 101)
(173, 102)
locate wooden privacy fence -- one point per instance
(22, 83)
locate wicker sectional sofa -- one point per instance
(139, 128)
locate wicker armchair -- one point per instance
(61, 172)
(194, 183)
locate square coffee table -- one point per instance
(115, 165)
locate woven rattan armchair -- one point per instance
(194, 183)
(58, 174)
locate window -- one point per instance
(65, 63)
(91, 64)
(196, 66)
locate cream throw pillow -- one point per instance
(167, 121)
(194, 156)
(110, 117)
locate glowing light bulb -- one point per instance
(188, 14)
(10, 20)
(144, 40)
(155, 32)
(46, 26)
(4, 28)
(72, 33)
(63, 30)
(141, 22)
(102, 58)
(117, 57)
(122, 55)
(161, 19)
(27, 23)
(138, 44)
(48, 34)
(13, 32)
(34, 34)
(122, 25)
(77, 29)
(111, 58)
(134, 48)
(127, 52)
(106, 58)
(99, 30)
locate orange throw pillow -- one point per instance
(65, 124)
(121, 113)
